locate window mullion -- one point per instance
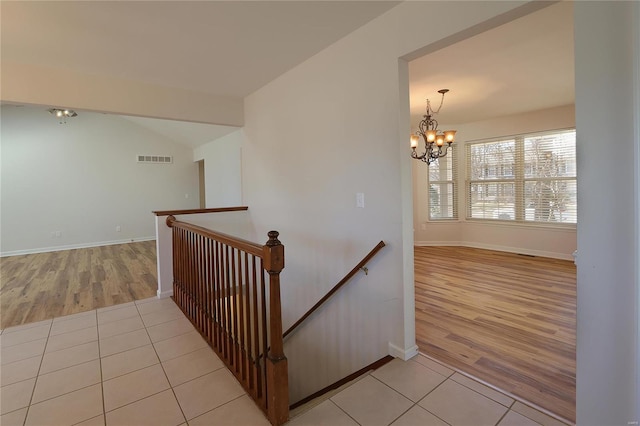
(519, 178)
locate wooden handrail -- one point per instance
(235, 242)
(337, 287)
(196, 211)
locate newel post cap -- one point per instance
(273, 253)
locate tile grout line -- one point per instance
(173, 392)
(221, 405)
(33, 391)
(195, 378)
(515, 398)
(339, 408)
(104, 411)
(480, 393)
(417, 402)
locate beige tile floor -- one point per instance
(142, 363)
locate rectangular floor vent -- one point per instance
(163, 159)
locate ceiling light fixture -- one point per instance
(62, 114)
(433, 139)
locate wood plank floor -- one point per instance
(505, 318)
(39, 286)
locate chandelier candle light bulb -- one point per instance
(428, 130)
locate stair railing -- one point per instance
(219, 282)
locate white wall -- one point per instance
(556, 242)
(237, 223)
(82, 179)
(222, 170)
(608, 361)
(316, 136)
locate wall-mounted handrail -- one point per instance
(337, 287)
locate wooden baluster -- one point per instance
(201, 295)
(187, 274)
(212, 281)
(241, 298)
(176, 259)
(180, 264)
(198, 281)
(256, 334)
(205, 297)
(234, 311)
(223, 295)
(264, 324)
(220, 299)
(216, 294)
(227, 281)
(193, 275)
(209, 293)
(249, 343)
(177, 265)
(277, 376)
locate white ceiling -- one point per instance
(232, 48)
(524, 65)
(227, 48)
(191, 134)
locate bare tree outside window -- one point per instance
(527, 178)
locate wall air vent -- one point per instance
(156, 159)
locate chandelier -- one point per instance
(62, 114)
(434, 140)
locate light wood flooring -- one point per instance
(505, 318)
(39, 286)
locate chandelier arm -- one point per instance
(427, 123)
(418, 157)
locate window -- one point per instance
(442, 188)
(527, 178)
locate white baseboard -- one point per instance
(165, 294)
(74, 246)
(403, 354)
(518, 250)
(439, 243)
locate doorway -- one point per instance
(201, 185)
(478, 106)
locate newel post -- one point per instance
(277, 370)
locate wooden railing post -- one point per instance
(277, 373)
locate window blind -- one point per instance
(527, 178)
(441, 181)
